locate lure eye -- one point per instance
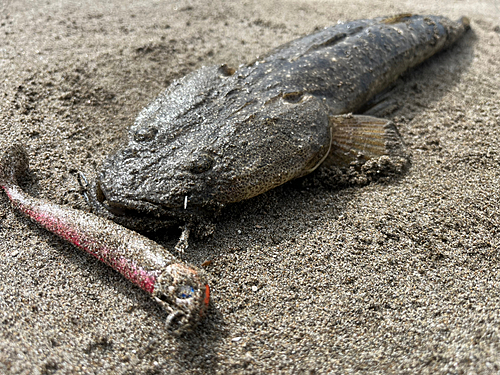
(185, 291)
(202, 164)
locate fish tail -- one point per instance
(13, 165)
(454, 30)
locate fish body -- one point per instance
(220, 136)
(179, 288)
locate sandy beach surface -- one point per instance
(398, 276)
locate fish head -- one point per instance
(190, 154)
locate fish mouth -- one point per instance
(142, 214)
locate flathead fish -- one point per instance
(220, 135)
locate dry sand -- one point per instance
(393, 277)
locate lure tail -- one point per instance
(13, 165)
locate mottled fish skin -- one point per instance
(219, 136)
(179, 288)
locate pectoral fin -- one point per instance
(361, 138)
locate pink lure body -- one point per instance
(108, 242)
(179, 288)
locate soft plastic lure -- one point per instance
(179, 288)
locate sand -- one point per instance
(398, 276)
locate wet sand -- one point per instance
(398, 276)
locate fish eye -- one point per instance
(202, 164)
(226, 70)
(293, 97)
(145, 134)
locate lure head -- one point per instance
(184, 293)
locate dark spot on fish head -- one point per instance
(202, 163)
(144, 134)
